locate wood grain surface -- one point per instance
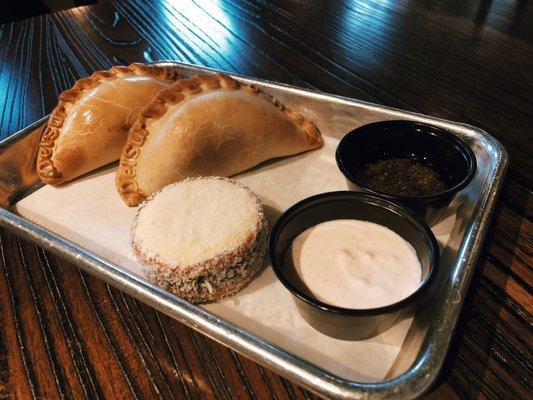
(64, 334)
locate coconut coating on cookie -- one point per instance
(202, 239)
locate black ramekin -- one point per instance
(450, 156)
(338, 322)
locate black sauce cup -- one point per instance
(346, 323)
(450, 156)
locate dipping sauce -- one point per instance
(355, 264)
(401, 177)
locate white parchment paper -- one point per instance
(90, 213)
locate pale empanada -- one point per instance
(207, 125)
(90, 123)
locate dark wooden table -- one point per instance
(66, 334)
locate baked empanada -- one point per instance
(207, 125)
(90, 123)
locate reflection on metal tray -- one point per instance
(424, 349)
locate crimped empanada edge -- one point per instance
(126, 182)
(45, 165)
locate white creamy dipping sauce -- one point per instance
(355, 264)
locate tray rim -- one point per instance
(413, 382)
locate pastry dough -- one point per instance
(90, 124)
(207, 125)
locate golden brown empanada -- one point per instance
(207, 125)
(90, 123)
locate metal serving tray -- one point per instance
(424, 349)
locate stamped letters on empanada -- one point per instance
(207, 125)
(90, 124)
